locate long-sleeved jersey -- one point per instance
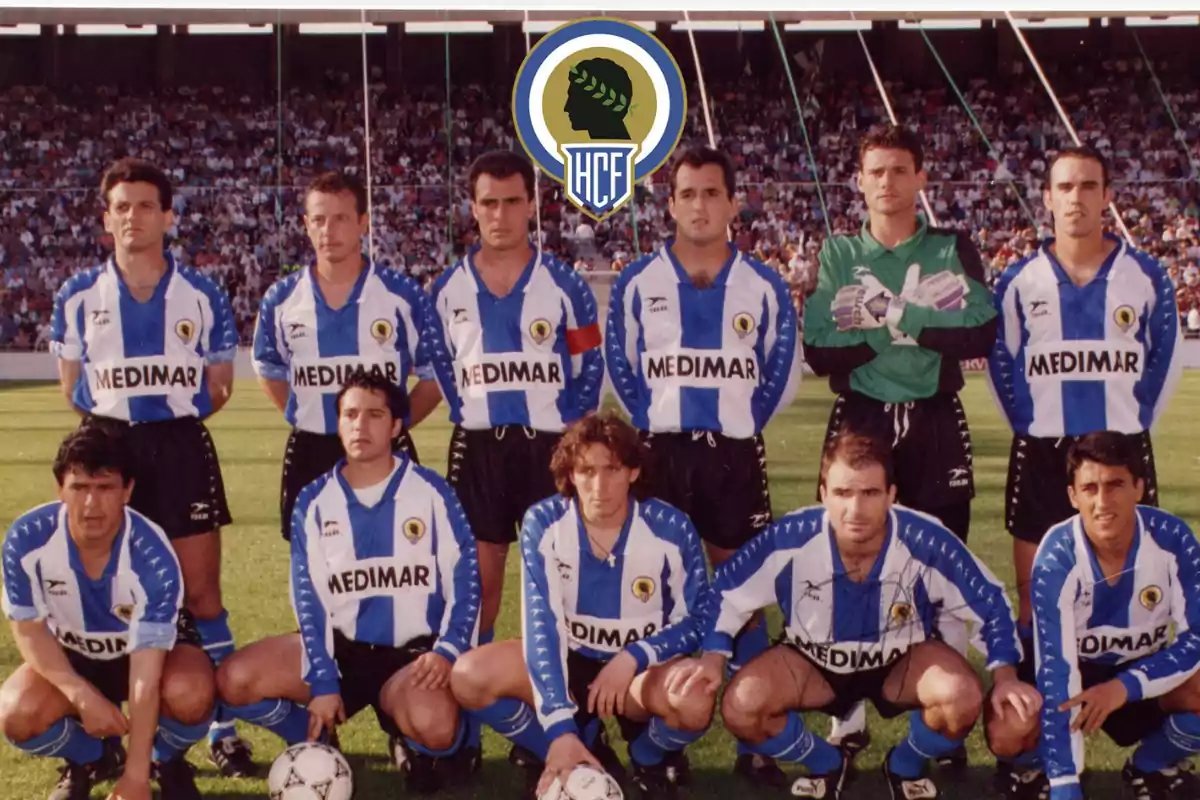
(925, 359)
(384, 574)
(923, 575)
(298, 338)
(649, 602)
(529, 358)
(722, 359)
(1078, 616)
(1069, 360)
(142, 362)
(133, 605)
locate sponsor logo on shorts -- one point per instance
(200, 511)
(1129, 643)
(959, 477)
(643, 588)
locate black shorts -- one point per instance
(851, 688)
(931, 450)
(1035, 499)
(176, 473)
(581, 672)
(721, 483)
(111, 676)
(308, 456)
(365, 668)
(498, 473)
(1130, 723)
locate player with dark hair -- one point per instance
(702, 351)
(895, 311)
(385, 587)
(1108, 586)
(95, 593)
(863, 585)
(146, 344)
(613, 594)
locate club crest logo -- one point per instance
(1150, 597)
(540, 330)
(413, 529)
(185, 329)
(382, 330)
(743, 325)
(901, 613)
(643, 588)
(1125, 316)
(124, 613)
(599, 104)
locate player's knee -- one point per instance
(471, 681)
(691, 713)
(236, 681)
(958, 698)
(188, 695)
(20, 716)
(744, 705)
(433, 722)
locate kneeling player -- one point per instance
(1108, 585)
(94, 593)
(869, 632)
(613, 593)
(385, 586)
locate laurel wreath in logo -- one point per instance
(617, 101)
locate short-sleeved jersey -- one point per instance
(1080, 617)
(529, 358)
(143, 362)
(724, 358)
(1070, 360)
(649, 601)
(298, 338)
(923, 574)
(133, 605)
(385, 574)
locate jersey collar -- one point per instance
(356, 293)
(399, 468)
(681, 273)
(839, 569)
(1127, 569)
(518, 287)
(618, 548)
(76, 561)
(903, 251)
(1101, 274)
(160, 288)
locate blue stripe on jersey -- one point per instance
(143, 331)
(374, 531)
(337, 333)
(700, 312)
(96, 594)
(83, 391)
(500, 323)
(1083, 310)
(926, 610)
(1159, 334)
(434, 610)
(783, 588)
(600, 585)
(640, 414)
(1023, 399)
(1110, 603)
(856, 605)
(664, 580)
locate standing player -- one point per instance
(614, 591)
(517, 354)
(386, 591)
(94, 594)
(862, 585)
(895, 310)
(1088, 343)
(702, 352)
(1108, 586)
(338, 317)
(148, 345)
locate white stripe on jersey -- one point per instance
(150, 368)
(719, 359)
(134, 605)
(298, 339)
(1071, 360)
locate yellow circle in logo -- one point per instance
(643, 588)
(413, 529)
(743, 324)
(601, 89)
(185, 329)
(1125, 316)
(540, 330)
(381, 330)
(901, 613)
(1150, 597)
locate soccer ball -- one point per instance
(310, 771)
(584, 783)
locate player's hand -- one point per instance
(129, 788)
(100, 718)
(1024, 699)
(859, 306)
(431, 671)
(325, 713)
(942, 291)
(566, 753)
(701, 675)
(1097, 702)
(607, 693)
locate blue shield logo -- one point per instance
(599, 177)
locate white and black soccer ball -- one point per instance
(584, 783)
(310, 771)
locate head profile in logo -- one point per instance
(576, 115)
(599, 94)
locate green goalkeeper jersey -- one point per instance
(920, 355)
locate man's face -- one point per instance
(601, 482)
(1076, 196)
(503, 209)
(858, 502)
(1106, 499)
(701, 205)
(366, 425)
(135, 217)
(95, 504)
(334, 225)
(889, 181)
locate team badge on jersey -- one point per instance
(901, 613)
(599, 104)
(540, 330)
(185, 329)
(382, 330)
(1125, 316)
(643, 588)
(413, 529)
(1150, 597)
(123, 613)
(743, 325)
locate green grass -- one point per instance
(250, 436)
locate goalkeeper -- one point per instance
(895, 310)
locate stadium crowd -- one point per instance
(238, 211)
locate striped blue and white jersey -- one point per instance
(721, 359)
(1079, 617)
(133, 605)
(649, 601)
(382, 569)
(1070, 360)
(923, 577)
(529, 358)
(298, 338)
(143, 362)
